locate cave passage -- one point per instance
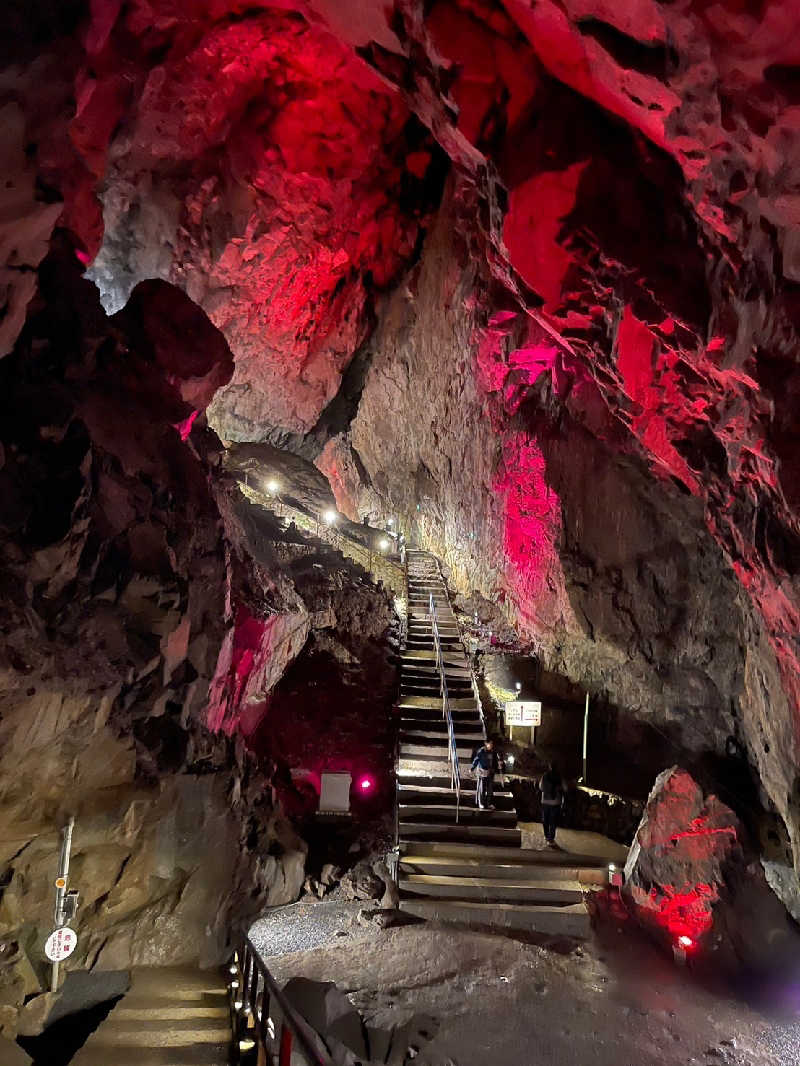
(399, 532)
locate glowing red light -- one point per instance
(685, 941)
(365, 784)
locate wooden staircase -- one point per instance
(471, 869)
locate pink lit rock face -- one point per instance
(582, 380)
(282, 200)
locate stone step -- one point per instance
(476, 864)
(170, 1017)
(469, 833)
(461, 726)
(434, 703)
(436, 795)
(418, 735)
(505, 889)
(461, 851)
(445, 813)
(442, 781)
(423, 713)
(424, 751)
(553, 920)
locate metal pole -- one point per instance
(61, 887)
(585, 734)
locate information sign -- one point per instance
(524, 712)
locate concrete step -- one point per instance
(425, 714)
(460, 851)
(462, 726)
(505, 889)
(464, 833)
(442, 781)
(440, 736)
(552, 920)
(445, 814)
(425, 752)
(416, 794)
(477, 864)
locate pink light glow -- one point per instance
(365, 784)
(185, 427)
(685, 941)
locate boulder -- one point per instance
(362, 883)
(675, 874)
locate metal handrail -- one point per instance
(257, 1038)
(475, 690)
(452, 747)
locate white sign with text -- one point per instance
(524, 712)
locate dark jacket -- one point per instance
(486, 760)
(553, 789)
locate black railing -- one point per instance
(452, 746)
(267, 1031)
(473, 679)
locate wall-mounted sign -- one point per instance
(524, 712)
(60, 944)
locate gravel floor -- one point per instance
(303, 926)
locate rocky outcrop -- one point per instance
(676, 869)
(691, 874)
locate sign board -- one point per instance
(524, 712)
(334, 796)
(60, 944)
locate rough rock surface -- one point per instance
(583, 394)
(675, 871)
(140, 636)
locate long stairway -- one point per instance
(465, 866)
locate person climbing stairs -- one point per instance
(456, 862)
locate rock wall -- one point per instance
(145, 620)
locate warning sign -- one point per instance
(60, 944)
(523, 712)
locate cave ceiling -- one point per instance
(613, 194)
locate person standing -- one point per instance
(486, 764)
(553, 795)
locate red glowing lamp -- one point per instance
(365, 784)
(685, 942)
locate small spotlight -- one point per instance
(272, 486)
(510, 760)
(383, 545)
(365, 784)
(237, 1004)
(330, 517)
(389, 521)
(247, 1044)
(518, 686)
(685, 942)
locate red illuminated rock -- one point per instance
(677, 867)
